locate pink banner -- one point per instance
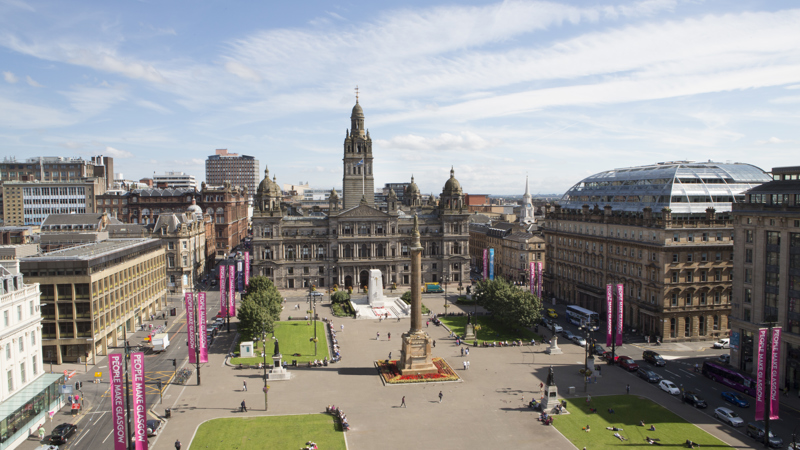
(223, 305)
(761, 372)
(231, 292)
(532, 277)
(609, 315)
(201, 330)
(485, 263)
(539, 275)
(116, 368)
(246, 270)
(191, 327)
(139, 401)
(774, 382)
(620, 295)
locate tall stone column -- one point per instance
(416, 280)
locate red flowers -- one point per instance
(391, 374)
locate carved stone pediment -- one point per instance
(363, 211)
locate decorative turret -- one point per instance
(268, 194)
(413, 197)
(391, 201)
(452, 196)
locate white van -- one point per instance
(555, 328)
(723, 343)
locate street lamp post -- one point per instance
(586, 360)
(446, 279)
(264, 354)
(197, 330)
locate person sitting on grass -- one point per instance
(587, 429)
(691, 444)
(652, 441)
(611, 410)
(592, 410)
(641, 423)
(652, 428)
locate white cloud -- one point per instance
(465, 141)
(774, 141)
(786, 100)
(242, 71)
(111, 151)
(31, 81)
(10, 77)
(26, 116)
(94, 100)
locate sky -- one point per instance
(556, 91)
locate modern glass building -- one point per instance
(687, 188)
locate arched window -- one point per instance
(306, 252)
(320, 252)
(348, 251)
(363, 252)
(434, 249)
(210, 211)
(290, 254)
(267, 253)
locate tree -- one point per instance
(254, 319)
(406, 297)
(261, 290)
(507, 303)
(340, 297)
(259, 283)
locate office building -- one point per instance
(93, 293)
(30, 202)
(238, 170)
(664, 231)
(766, 277)
(175, 180)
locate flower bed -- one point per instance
(391, 374)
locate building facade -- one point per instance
(57, 169)
(27, 393)
(515, 245)
(237, 170)
(300, 250)
(30, 202)
(175, 180)
(94, 293)
(766, 281)
(675, 263)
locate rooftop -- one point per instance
(90, 251)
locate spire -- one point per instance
(527, 191)
(452, 172)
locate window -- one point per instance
(8, 352)
(171, 245)
(689, 277)
(689, 299)
(690, 237)
(19, 313)
(5, 318)
(689, 257)
(748, 236)
(674, 299)
(748, 275)
(718, 256)
(676, 237)
(22, 372)
(170, 260)
(719, 236)
(674, 277)
(702, 298)
(717, 275)
(704, 257)
(748, 295)
(33, 339)
(34, 367)
(21, 345)
(10, 378)
(705, 237)
(703, 276)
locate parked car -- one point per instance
(722, 343)
(153, 427)
(653, 358)
(725, 358)
(669, 387)
(220, 315)
(756, 431)
(567, 334)
(607, 357)
(736, 399)
(62, 432)
(728, 416)
(555, 328)
(599, 349)
(695, 400)
(648, 375)
(552, 313)
(627, 363)
(579, 340)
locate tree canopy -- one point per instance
(340, 297)
(260, 307)
(508, 303)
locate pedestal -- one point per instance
(278, 372)
(550, 398)
(554, 350)
(415, 357)
(469, 333)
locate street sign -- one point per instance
(98, 374)
(65, 389)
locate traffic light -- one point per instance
(159, 384)
(174, 363)
(80, 383)
(77, 386)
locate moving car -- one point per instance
(653, 358)
(62, 432)
(552, 313)
(669, 387)
(728, 416)
(695, 400)
(722, 343)
(153, 427)
(607, 357)
(579, 340)
(627, 363)
(598, 349)
(433, 288)
(567, 335)
(736, 399)
(648, 375)
(725, 358)
(756, 431)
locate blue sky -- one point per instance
(555, 90)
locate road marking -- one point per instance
(675, 374)
(714, 388)
(687, 373)
(109, 435)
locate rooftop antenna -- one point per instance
(356, 93)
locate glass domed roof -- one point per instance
(685, 187)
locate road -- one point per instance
(680, 370)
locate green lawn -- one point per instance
(629, 410)
(274, 432)
(294, 338)
(490, 330)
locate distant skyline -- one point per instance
(498, 90)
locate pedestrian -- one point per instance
(465, 365)
(467, 350)
(389, 335)
(177, 444)
(341, 327)
(244, 386)
(434, 344)
(378, 336)
(523, 399)
(462, 351)
(69, 399)
(588, 399)
(41, 432)
(390, 356)
(380, 318)
(427, 324)
(244, 406)
(440, 396)
(627, 388)
(403, 402)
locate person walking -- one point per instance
(434, 344)
(341, 327)
(588, 399)
(244, 386)
(440, 396)
(462, 352)
(177, 444)
(465, 365)
(403, 402)
(378, 336)
(389, 335)
(627, 388)
(244, 406)
(390, 356)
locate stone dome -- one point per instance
(268, 187)
(193, 209)
(452, 186)
(357, 111)
(413, 188)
